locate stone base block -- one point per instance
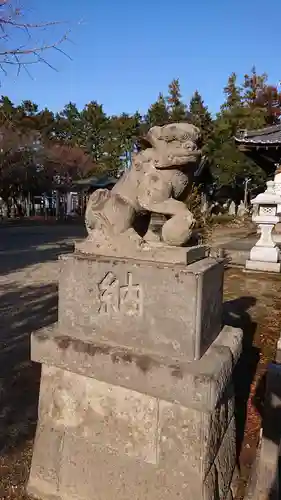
(152, 251)
(262, 266)
(265, 254)
(100, 438)
(96, 440)
(197, 384)
(170, 309)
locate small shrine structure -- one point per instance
(263, 146)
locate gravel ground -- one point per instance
(28, 301)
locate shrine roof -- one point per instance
(264, 136)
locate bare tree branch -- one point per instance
(26, 52)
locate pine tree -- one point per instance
(45, 124)
(177, 109)
(232, 92)
(68, 125)
(119, 142)
(94, 131)
(200, 116)
(253, 85)
(7, 111)
(130, 129)
(158, 113)
(29, 108)
(229, 165)
(264, 99)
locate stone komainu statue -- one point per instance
(157, 182)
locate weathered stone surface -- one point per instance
(235, 482)
(192, 439)
(159, 179)
(89, 470)
(229, 495)
(109, 475)
(154, 252)
(107, 415)
(198, 385)
(166, 309)
(94, 437)
(225, 460)
(46, 460)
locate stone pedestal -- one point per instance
(136, 396)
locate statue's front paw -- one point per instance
(177, 231)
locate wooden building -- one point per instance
(263, 146)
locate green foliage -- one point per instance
(123, 132)
(201, 117)
(38, 144)
(18, 169)
(232, 93)
(158, 113)
(244, 108)
(177, 109)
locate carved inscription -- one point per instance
(123, 299)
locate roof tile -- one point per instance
(268, 135)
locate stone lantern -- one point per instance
(265, 255)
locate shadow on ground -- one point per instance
(22, 310)
(25, 309)
(236, 315)
(21, 247)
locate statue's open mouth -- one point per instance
(144, 143)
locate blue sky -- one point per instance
(124, 52)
